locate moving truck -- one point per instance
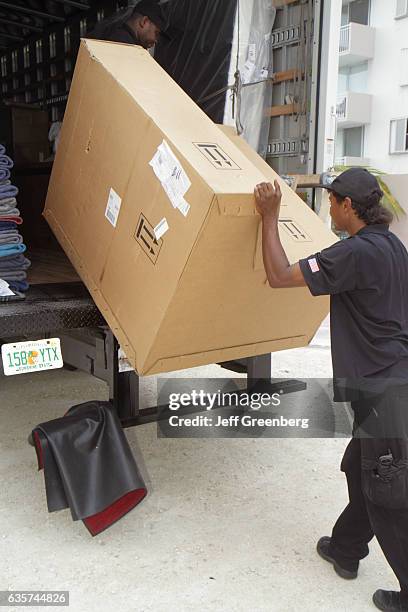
(252, 65)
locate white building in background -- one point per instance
(372, 101)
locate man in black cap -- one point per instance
(142, 25)
(367, 279)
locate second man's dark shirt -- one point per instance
(121, 34)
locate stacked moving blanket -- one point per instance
(13, 264)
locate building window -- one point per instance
(100, 15)
(399, 136)
(27, 79)
(16, 83)
(350, 144)
(4, 88)
(39, 51)
(354, 142)
(356, 12)
(353, 78)
(345, 20)
(401, 9)
(68, 65)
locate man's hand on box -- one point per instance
(277, 267)
(268, 199)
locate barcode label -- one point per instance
(113, 207)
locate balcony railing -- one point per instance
(349, 160)
(341, 108)
(344, 39)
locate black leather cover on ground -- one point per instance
(88, 465)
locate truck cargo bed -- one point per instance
(49, 308)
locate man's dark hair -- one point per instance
(372, 212)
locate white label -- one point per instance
(177, 173)
(113, 207)
(161, 229)
(184, 208)
(32, 356)
(160, 165)
(171, 174)
(5, 288)
(173, 193)
(252, 52)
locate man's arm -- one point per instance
(278, 269)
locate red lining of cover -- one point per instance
(38, 449)
(104, 519)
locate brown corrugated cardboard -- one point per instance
(197, 293)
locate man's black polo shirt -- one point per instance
(123, 34)
(367, 279)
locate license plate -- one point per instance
(32, 356)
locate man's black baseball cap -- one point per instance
(153, 10)
(357, 184)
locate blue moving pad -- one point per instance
(13, 249)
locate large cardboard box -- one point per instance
(154, 205)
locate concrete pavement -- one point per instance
(228, 525)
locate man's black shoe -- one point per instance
(323, 547)
(390, 601)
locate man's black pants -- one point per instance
(362, 519)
